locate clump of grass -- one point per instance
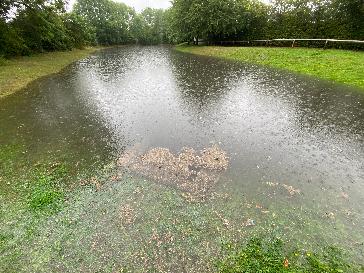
(46, 196)
(269, 255)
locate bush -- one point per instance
(11, 42)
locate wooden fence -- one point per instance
(293, 42)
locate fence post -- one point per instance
(326, 44)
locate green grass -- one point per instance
(17, 73)
(46, 196)
(270, 255)
(342, 66)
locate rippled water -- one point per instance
(277, 127)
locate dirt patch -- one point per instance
(192, 172)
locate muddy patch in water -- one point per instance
(194, 173)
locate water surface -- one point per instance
(278, 128)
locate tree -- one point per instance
(80, 32)
(151, 27)
(217, 19)
(112, 21)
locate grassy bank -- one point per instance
(342, 66)
(17, 73)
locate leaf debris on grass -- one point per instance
(191, 172)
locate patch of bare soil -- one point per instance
(194, 173)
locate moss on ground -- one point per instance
(17, 73)
(342, 66)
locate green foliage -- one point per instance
(40, 26)
(11, 43)
(316, 19)
(42, 30)
(110, 20)
(43, 25)
(270, 255)
(151, 27)
(217, 20)
(80, 32)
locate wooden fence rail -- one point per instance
(293, 41)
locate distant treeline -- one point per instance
(28, 26)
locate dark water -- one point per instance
(276, 126)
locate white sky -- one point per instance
(141, 4)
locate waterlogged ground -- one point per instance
(143, 159)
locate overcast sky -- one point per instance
(142, 4)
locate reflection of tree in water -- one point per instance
(109, 65)
(203, 82)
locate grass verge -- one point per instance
(342, 66)
(17, 73)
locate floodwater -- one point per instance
(295, 143)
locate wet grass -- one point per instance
(342, 66)
(45, 195)
(17, 73)
(52, 216)
(266, 255)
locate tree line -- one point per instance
(29, 26)
(221, 20)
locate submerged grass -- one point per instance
(342, 66)
(17, 73)
(127, 223)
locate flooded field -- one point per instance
(144, 159)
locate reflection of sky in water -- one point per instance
(275, 126)
(163, 98)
